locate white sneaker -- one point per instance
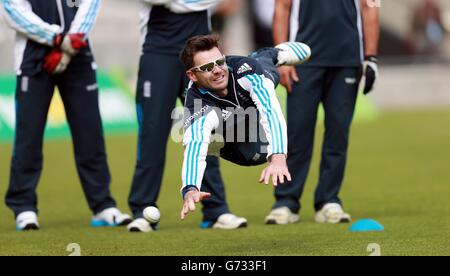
(110, 217)
(229, 222)
(293, 53)
(332, 213)
(282, 215)
(139, 225)
(27, 221)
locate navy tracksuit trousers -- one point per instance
(337, 89)
(79, 93)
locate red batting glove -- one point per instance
(71, 43)
(56, 62)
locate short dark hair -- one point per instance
(197, 44)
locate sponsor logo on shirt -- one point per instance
(196, 115)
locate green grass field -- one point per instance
(398, 173)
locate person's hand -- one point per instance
(277, 170)
(288, 75)
(70, 43)
(370, 72)
(56, 62)
(191, 198)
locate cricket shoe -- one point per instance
(110, 217)
(26, 221)
(332, 213)
(225, 222)
(293, 53)
(282, 215)
(140, 225)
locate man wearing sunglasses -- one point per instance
(166, 25)
(231, 110)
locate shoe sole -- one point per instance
(125, 222)
(274, 222)
(240, 226)
(154, 227)
(29, 227)
(243, 225)
(341, 221)
(291, 220)
(138, 230)
(101, 223)
(135, 230)
(271, 222)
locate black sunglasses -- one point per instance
(209, 67)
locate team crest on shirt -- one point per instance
(244, 68)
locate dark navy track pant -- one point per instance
(79, 93)
(336, 89)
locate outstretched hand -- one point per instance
(277, 170)
(190, 199)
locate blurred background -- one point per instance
(414, 47)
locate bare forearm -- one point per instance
(281, 21)
(371, 27)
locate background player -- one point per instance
(52, 49)
(335, 30)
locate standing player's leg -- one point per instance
(216, 205)
(339, 102)
(79, 92)
(244, 154)
(302, 106)
(33, 97)
(159, 84)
